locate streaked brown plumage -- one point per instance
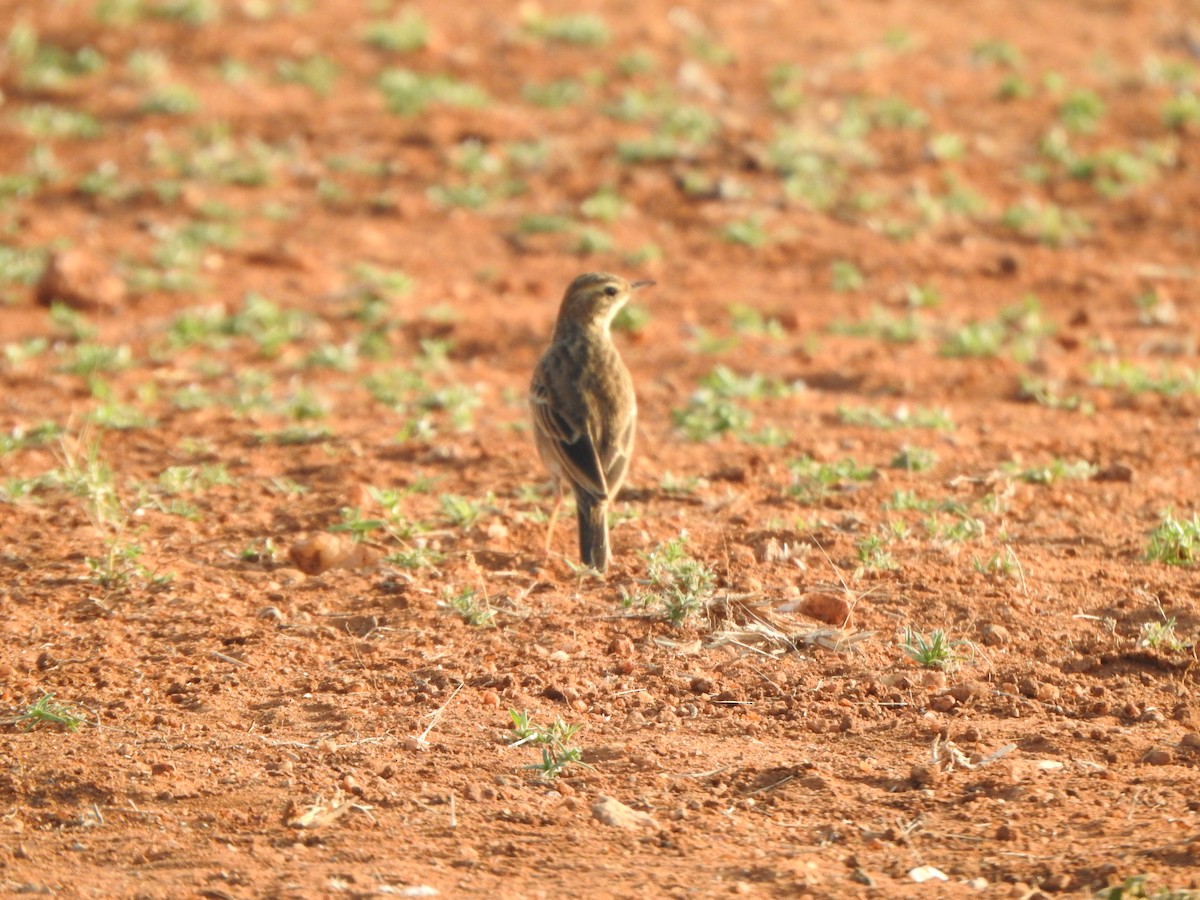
(584, 409)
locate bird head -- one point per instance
(594, 298)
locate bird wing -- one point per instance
(564, 426)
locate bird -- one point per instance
(584, 408)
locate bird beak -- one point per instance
(641, 284)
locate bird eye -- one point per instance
(611, 290)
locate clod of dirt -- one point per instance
(995, 635)
(1158, 757)
(615, 813)
(323, 552)
(81, 280)
(1116, 472)
(832, 609)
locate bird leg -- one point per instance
(558, 502)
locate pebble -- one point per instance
(832, 609)
(994, 635)
(610, 811)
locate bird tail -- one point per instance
(593, 530)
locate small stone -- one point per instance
(943, 703)
(1158, 757)
(994, 635)
(1048, 693)
(1115, 472)
(832, 609)
(81, 280)
(1190, 741)
(1007, 832)
(319, 553)
(1058, 882)
(924, 776)
(965, 690)
(613, 812)
(620, 646)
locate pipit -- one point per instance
(584, 409)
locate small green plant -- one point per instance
(1056, 470)
(1135, 379)
(406, 33)
(554, 741)
(999, 565)
(1047, 393)
(583, 29)
(935, 650)
(194, 479)
(633, 318)
(955, 529)
(463, 512)
(49, 712)
(21, 438)
(170, 100)
(1175, 542)
(873, 553)
(678, 583)
(317, 73)
(1047, 223)
(748, 320)
(466, 605)
(708, 416)
(997, 53)
(845, 276)
(749, 232)
(903, 417)
(1081, 111)
(884, 325)
(1135, 888)
(356, 526)
(408, 93)
(418, 557)
(118, 567)
(914, 459)
(1182, 111)
(813, 481)
(1161, 636)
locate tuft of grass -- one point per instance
(1135, 888)
(1175, 542)
(581, 30)
(845, 276)
(466, 605)
(1135, 379)
(935, 650)
(749, 232)
(553, 740)
(914, 459)
(49, 712)
(1161, 636)
(679, 585)
(408, 93)
(406, 33)
(903, 417)
(1056, 470)
(813, 481)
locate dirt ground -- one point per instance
(920, 366)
